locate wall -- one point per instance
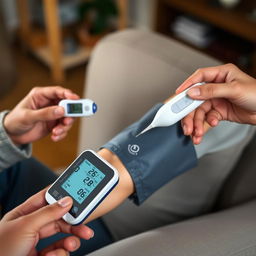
(142, 12)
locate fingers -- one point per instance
(52, 93)
(48, 214)
(194, 123)
(188, 124)
(41, 98)
(57, 252)
(81, 230)
(60, 131)
(213, 118)
(211, 91)
(62, 247)
(218, 74)
(45, 114)
(33, 203)
(199, 120)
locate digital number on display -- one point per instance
(75, 108)
(83, 181)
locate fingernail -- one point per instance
(74, 244)
(65, 202)
(70, 121)
(194, 92)
(214, 122)
(58, 131)
(58, 111)
(56, 138)
(92, 234)
(51, 254)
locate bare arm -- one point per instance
(123, 190)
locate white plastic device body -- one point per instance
(96, 200)
(174, 110)
(78, 108)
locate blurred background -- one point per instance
(49, 42)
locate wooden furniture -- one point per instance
(235, 21)
(52, 55)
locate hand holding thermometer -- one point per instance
(174, 110)
(78, 108)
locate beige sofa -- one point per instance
(129, 72)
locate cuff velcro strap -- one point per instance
(155, 157)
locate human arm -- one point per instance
(33, 118)
(229, 93)
(23, 227)
(38, 114)
(122, 191)
(159, 159)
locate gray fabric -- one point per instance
(240, 185)
(223, 136)
(135, 69)
(229, 233)
(9, 153)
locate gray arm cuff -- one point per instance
(10, 153)
(154, 158)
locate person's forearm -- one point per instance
(123, 190)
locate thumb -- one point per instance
(46, 114)
(210, 91)
(49, 213)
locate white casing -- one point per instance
(166, 116)
(94, 203)
(88, 107)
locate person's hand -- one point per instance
(39, 114)
(206, 127)
(230, 94)
(22, 228)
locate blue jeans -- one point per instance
(26, 178)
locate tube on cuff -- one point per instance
(154, 158)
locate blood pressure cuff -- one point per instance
(155, 157)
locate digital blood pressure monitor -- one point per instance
(88, 180)
(78, 108)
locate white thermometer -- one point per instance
(78, 108)
(174, 110)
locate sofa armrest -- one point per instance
(231, 232)
(129, 72)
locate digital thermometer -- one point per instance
(174, 110)
(78, 108)
(88, 180)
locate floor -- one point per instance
(32, 73)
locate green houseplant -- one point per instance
(97, 18)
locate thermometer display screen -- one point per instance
(83, 181)
(75, 108)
